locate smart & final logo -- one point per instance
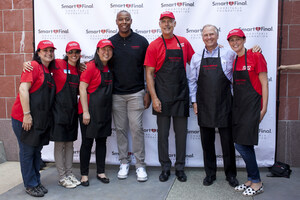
(229, 6)
(77, 9)
(133, 8)
(150, 34)
(178, 7)
(257, 32)
(56, 34)
(195, 33)
(97, 34)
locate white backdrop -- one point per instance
(88, 21)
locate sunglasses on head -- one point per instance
(74, 51)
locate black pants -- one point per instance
(180, 129)
(85, 151)
(209, 153)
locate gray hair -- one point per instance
(210, 25)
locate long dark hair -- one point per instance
(99, 63)
(77, 63)
(37, 58)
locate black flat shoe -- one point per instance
(103, 180)
(85, 183)
(233, 182)
(209, 180)
(181, 175)
(164, 176)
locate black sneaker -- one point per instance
(42, 188)
(34, 192)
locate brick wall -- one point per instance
(289, 116)
(16, 34)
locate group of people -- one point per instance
(47, 107)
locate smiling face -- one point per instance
(124, 22)
(73, 56)
(210, 37)
(237, 44)
(46, 55)
(105, 54)
(167, 26)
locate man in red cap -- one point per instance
(166, 58)
(129, 96)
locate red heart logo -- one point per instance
(128, 5)
(103, 31)
(153, 31)
(258, 28)
(179, 4)
(231, 3)
(153, 130)
(55, 31)
(79, 5)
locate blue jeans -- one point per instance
(248, 154)
(30, 158)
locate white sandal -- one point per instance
(241, 188)
(251, 192)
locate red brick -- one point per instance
(13, 20)
(288, 108)
(1, 23)
(6, 41)
(2, 108)
(295, 19)
(283, 85)
(294, 39)
(13, 64)
(1, 64)
(5, 4)
(27, 43)
(28, 56)
(285, 36)
(7, 86)
(9, 102)
(290, 56)
(293, 85)
(17, 84)
(21, 4)
(28, 20)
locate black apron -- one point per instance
(171, 84)
(214, 99)
(100, 108)
(246, 108)
(65, 110)
(40, 108)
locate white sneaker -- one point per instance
(141, 174)
(65, 182)
(123, 172)
(73, 179)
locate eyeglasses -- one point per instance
(74, 51)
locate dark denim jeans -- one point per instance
(30, 158)
(248, 154)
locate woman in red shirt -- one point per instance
(95, 105)
(250, 100)
(32, 116)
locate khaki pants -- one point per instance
(63, 155)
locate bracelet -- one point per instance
(26, 113)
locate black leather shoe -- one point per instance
(181, 175)
(209, 180)
(85, 183)
(42, 188)
(233, 182)
(164, 176)
(103, 180)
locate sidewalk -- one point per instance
(11, 186)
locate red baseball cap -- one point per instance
(104, 42)
(72, 45)
(45, 44)
(167, 14)
(236, 32)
